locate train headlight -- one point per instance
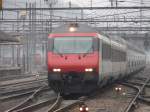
(116, 89)
(87, 109)
(72, 29)
(81, 109)
(120, 88)
(89, 70)
(56, 70)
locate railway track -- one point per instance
(22, 86)
(57, 104)
(21, 76)
(19, 90)
(51, 104)
(17, 94)
(44, 101)
(138, 96)
(62, 105)
(41, 96)
(22, 83)
(16, 77)
(6, 97)
(133, 94)
(13, 94)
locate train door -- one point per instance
(106, 59)
(100, 61)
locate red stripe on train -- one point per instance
(72, 34)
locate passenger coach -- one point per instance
(80, 59)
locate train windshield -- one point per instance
(68, 45)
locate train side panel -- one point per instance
(135, 60)
(113, 64)
(105, 51)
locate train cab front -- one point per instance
(72, 61)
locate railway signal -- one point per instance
(84, 108)
(118, 89)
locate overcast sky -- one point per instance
(80, 2)
(90, 13)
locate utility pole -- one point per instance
(33, 39)
(112, 2)
(141, 13)
(91, 3)
(69, 4)
(51, 17)
(82, 14)
(1, 11)
(50, 5)
(116, 3)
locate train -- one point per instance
(81, 59)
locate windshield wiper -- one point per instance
(58, 52)
(87, 52)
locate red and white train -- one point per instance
(80, 59)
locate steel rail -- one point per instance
(144, 100)
(146, 96)
(37, 106)
(27, 101)
(56, 104)
(128, 108)
(6, 93)
(135, 85)
(69, 106)
(139, 84)
(24, 93)
(8, 77)
(24, 83)
(16, 96)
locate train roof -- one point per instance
(80, 28)
(135, 48)
(128, 44)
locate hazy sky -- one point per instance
(80, 2)
(90, 13)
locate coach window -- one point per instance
(129, 63)
(113, 54)
(119, 54)
(132, 63)
(123, 56)
(106, 52)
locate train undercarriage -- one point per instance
(73, 83)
